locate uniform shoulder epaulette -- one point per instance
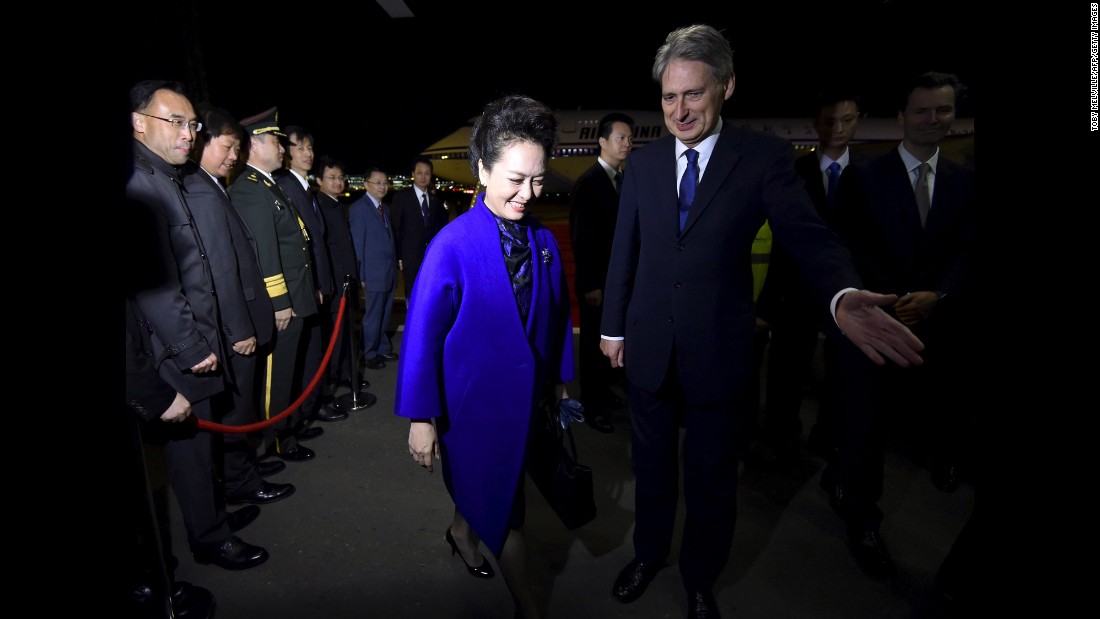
(255, 178)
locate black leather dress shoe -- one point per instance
(701, 605)
(232, 554)
(389, 357)
(266, 493)
(633, 580)
(191, 602)
(298, 454)
(599, 423)
(242, 517)
(308, 434)
(329, 414)
(376, 363)
(870, 551)
(267, 468)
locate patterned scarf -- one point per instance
(517, 257)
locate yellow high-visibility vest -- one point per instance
(761, 254)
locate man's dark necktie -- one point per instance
(382, 216)
(924, 200)
(424, 208)
(619, 182)
(688, 182)
(834, 179)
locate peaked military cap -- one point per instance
(264, 122)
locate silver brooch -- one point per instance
(547, 257)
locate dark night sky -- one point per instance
(378, 90)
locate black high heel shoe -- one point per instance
(485, 570)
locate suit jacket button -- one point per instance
(679, 247)
(676, 285)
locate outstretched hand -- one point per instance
(860, 317)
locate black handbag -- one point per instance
(565, 483)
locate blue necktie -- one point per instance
(834, 178)
(688, 183)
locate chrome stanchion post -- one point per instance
(359, 398)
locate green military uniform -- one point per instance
(282, 246)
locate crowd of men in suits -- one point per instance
(230, 305)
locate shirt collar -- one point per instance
(912, 162)
(824, 161)
(611, 172)
(704, 148)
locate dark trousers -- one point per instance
(189, 463)
(596, 373)
(924, 399)
(790, 361)
(376, 319)
(315, 339)
(237, 407)
(277, 385)
(710, 477)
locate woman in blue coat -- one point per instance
(487, 331)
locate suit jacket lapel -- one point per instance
(723, 160)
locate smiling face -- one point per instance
(220, 154)
(927, 117)
(692, 99)
(515, 181)
(300, 154)
(332, 181)
(377, 185)
(169, 143)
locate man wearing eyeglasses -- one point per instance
(331, 183)
(173, 288)
(375, 251)
(282, 245)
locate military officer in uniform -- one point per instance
(282, 245)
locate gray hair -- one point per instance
(699, 42)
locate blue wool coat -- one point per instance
(467, 360)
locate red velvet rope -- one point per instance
(259, 425)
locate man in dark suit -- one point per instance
(282, 245)
(331, 183)
(908, 218)
(373, 240)
(173, 301)
(293, 179)
(678, 308)
(247, 318)
(592, 212)
(418, 214)
(786, 305)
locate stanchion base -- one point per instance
(345, 402)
